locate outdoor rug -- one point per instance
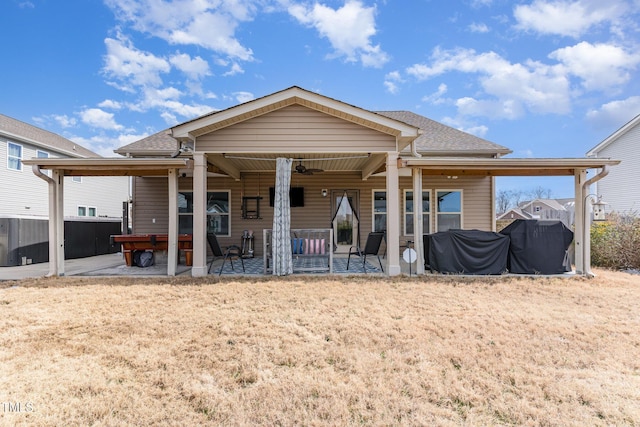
(256, 266)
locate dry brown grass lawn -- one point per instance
(310, 351)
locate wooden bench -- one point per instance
(316, 243)
(153, 242)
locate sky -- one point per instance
(545, 78)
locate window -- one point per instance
(91, 211)
(408, 212)
(76, 179)
(449, 209)
(218, 215)
(14, 156)
(379, 210)
(82, 211)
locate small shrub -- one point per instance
(616, 242)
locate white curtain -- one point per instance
(281, 238)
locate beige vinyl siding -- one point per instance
(150, 210)
(620, 188)
(151, 194)
(296, 129)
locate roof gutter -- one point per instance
(586, 238)
(37, 172)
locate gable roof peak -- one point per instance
(614, 136)
(293, 95)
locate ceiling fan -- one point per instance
(303, 170)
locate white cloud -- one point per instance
(132, 66)
(391, 82)
(104, 144)
(243, 97)
(210, 24)
(478, 28)
(167, 100)
(98, 118)
(65, 121)
(109, 103)
(349, 30)
(235, 69)
(512, 88)
(567, 17)
(480, 3)
(615, 113)
(436, 97)
(600, 66)
(195, 68)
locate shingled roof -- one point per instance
(436, 139)
(441, 139)
(158, 144)
(21, 131)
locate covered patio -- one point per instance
(217, 174)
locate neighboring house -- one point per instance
(354, 171)
(560, 209)
(619, 189)
(24, 205)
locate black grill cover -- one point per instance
(538, 247)
(467, 252)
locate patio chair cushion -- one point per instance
(297, 246)
(314, 246)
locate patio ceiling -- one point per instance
(504, 166)
(111, 166)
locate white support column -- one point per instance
(53, 227)
(493, 204)
(393, 215)
(199, 267)
(172, 243)
(578, 230)
(417, 220)
(58, 177)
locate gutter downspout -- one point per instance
(53, 253)
(587, 221)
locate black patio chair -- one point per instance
(371, 247)
(229, 253)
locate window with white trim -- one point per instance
(379, 210)
(448, 209)
(82, 211)
(409, 212)
(218, 212)
(92, 211)
(14, 156)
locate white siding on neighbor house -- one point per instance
(105, 193)
(151, 202)
(621, 188)
(23, 193)
(296, 129)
